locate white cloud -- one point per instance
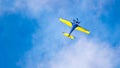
(53, 50)
(84, 54)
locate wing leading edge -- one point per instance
(83, 30)
(68, 23)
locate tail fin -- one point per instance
(67, 35)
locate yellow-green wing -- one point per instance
(68, 23)
(82, 30)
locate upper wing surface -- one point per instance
(82, 29)
(68, 23)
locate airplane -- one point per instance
(74, 25)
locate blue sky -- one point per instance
(31, 34)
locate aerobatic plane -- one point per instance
(74, 26)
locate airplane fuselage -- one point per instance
(74, 25)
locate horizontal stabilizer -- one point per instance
(67, 35)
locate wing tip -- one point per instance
(60, 18)
(88, 32)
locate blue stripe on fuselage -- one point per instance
(73, 27)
